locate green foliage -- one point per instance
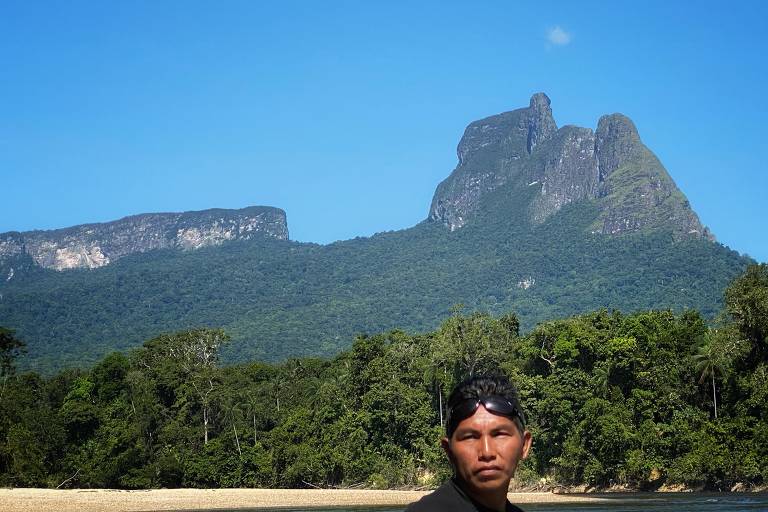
(746, 299)
(282, 299)
(10, 349)
(611, 398)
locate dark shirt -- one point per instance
(450, 497)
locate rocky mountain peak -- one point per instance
(541, 124)
(523, 150)
(540, 102)
(488, 152)
(617, 141)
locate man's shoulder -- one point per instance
(444, 498)
(449, 498)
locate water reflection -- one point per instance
(663, 503)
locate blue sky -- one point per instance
(347, 114)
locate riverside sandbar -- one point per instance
(98, 500)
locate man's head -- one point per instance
(485, 434)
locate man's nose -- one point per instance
(487, 451)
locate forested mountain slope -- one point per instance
(542, 221)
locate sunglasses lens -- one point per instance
(465, 409)
(499, 406)
(495, 404)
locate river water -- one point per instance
(622, 503)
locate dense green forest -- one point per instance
(640, 399)
(280, 299)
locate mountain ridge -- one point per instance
(561, 229)
(523, 147)
(95, 245)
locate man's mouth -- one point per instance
(487, 471)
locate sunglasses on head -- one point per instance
(493, 403)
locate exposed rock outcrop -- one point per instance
(491, 153)
(96, 245)
(568, 172)
(540, 167)
(636, 191)
(524, 148)
(541, 124)
(617, 141)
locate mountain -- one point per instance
(544, 221)
(522, 149)
(96, 245)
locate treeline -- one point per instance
(640, 399)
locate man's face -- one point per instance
(485, 450)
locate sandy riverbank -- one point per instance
(93, 500)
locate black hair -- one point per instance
(480, 386)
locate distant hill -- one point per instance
(542, 221)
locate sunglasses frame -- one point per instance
(493, 403)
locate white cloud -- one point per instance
(557, 36)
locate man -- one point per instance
(485, 440)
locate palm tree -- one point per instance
(602, 376)
(709, 362)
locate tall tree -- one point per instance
(746, 299)
(193, 357)
(709, 361)
(10, 349)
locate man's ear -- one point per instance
(527, 441)
(445, 443)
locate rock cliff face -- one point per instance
(636, 190)
(520, 156)
(524, 148)
(491, 153)
(96, 245)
